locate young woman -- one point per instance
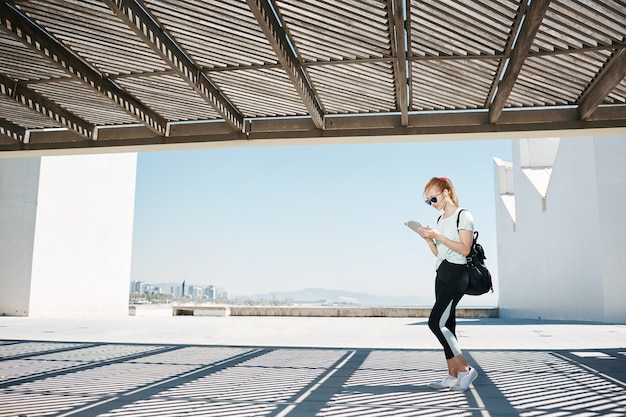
(450, 245)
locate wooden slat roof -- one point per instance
(98, 73)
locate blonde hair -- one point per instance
(442, 184)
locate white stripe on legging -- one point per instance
(450, 338)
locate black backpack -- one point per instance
(479, 276)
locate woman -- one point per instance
(450, 245)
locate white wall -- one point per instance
(561, 253)
(80, 248)
(611, 192)
(19, 180)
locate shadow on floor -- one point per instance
(39, 378)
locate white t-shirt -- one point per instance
(447, 227)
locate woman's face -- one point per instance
(435, 197)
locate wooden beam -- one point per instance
(532, 21)
(340, 129)
(608, 78)
(15, 132)
(145, 26)
(278, 40)
(14, 22)
(507, 50)
(398, 49)
(35, 101)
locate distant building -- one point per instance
(138, 287)
(210, 293)
(195, 292)
(177, 292)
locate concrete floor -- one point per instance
(304, 366)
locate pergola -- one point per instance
(78, 74)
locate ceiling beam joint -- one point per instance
(507, 50)
(35, 101)
(14, 22)
(145, 26)
(15, 132)
(608, 78)
(532, 21)
(278, 40)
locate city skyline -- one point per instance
(178, 289)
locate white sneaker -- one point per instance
(445, 383)
(464, 380)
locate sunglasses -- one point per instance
(432, 200)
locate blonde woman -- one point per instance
(450, 244)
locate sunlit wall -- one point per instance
(560, 226)
(67, 226)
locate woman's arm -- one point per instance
(463, 247)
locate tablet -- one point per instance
(413, 225)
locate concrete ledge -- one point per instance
(150, 310)
(299, 311)
(491, 312)
(211, 311)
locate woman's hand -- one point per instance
(428, 233)
(463, 247)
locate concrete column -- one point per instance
(66, 226)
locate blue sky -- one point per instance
(283, 218)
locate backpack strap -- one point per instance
(474, 235)
(457, 218)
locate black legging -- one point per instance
(450, 285)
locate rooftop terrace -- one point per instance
(304, 366)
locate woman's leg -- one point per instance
(450, 286)
(457, 364)
(439, 315)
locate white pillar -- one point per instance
(66, 225)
